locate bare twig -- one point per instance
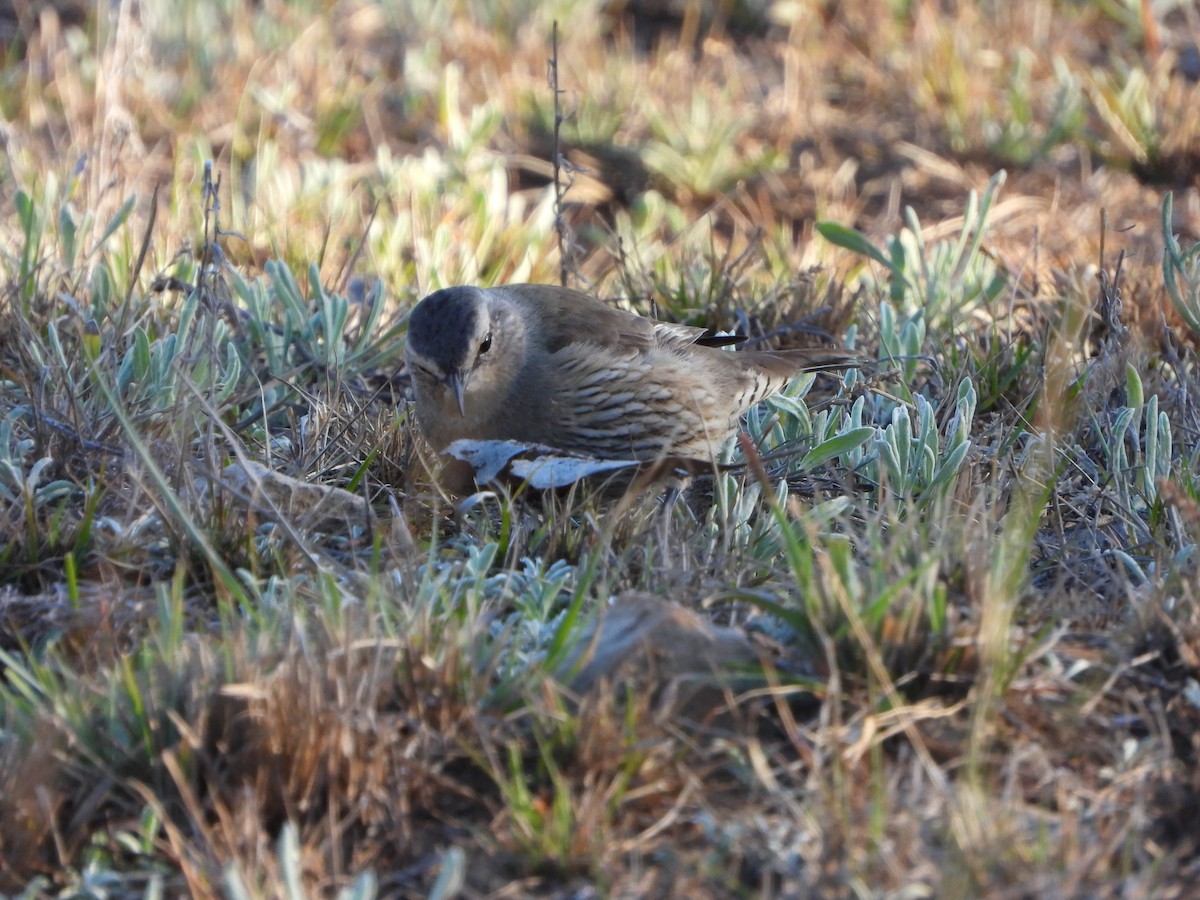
(565, 242)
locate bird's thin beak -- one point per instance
(457, 382)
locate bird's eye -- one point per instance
(486, 345)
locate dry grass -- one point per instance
(249, 650)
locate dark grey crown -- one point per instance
(443, 325)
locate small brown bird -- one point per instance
(544, 364)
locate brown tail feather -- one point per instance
(791, 362)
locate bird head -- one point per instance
(450, 336)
